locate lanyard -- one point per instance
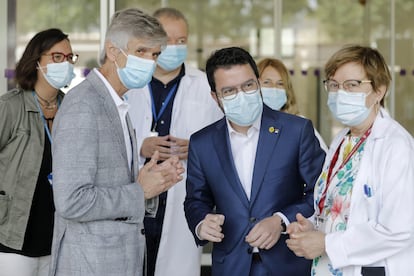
(49, 136)
(164, 105)
(333, 162)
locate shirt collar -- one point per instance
(254, 128)
(119, 102)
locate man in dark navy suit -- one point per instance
(249, 174)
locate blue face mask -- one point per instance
(59, 74)
(137, 72)
(172, 57)
(348, 108)
(273, 97)
(244, 109)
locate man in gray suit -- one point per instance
(99, 194)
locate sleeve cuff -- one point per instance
(284, 219)
(196, 230)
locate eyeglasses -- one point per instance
(248, 87)
(348, 85)
(59, 57)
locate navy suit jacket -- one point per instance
(288, 162)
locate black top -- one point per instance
(153, 225)
(39, 231)
(159, 93)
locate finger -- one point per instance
(267, 243)
(209, 232)
(300, 218)
(219, 218)
(164, 156)
(292, 227)
(211, 238)
(271, 244)
(153, 162)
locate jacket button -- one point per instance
(143, 231)
(252, 219)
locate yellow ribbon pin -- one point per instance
(273, 130)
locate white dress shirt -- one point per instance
(243, 148)
(122, 107)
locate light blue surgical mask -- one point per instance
(349, 107)
(244, 109)
(137, 72)
(274, 97)
(172, 57)
(59, 74)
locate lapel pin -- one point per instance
(273, 130)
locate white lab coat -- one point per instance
(193, 109)
(380, 230)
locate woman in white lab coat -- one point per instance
(364, 198)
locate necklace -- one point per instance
(47, 104)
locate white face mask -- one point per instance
(172, 57)
(244, 109)
(273, 97)
(349, 108)
(59, 74)
(137, 72)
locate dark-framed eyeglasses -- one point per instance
(248, 87)
(59, 57)
(348, 85)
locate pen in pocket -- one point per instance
(367, 190)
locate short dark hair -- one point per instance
(225, 58)
(26, 68)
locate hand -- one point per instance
(157, 143)
(179, 147)
(310, 244)
(266, 233)
(301, 225)
(210, 228)
(155, 179)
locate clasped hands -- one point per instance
(304, 240)
(167, 146)
(157, 178)
(264, 235)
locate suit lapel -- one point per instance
(269, 135)
(222, 144)
(133, 138)
(111, 111)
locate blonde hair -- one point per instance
(370, 59)
(291, 105)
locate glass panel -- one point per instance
(77, 18)
(311, 31)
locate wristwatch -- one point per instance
(283, 225)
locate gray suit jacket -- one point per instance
(99, 206)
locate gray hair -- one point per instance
(171, 13)
(134, 23)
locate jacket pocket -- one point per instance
(4, 206)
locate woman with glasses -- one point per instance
(364, 207)
(26, 119)
(277, 89)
